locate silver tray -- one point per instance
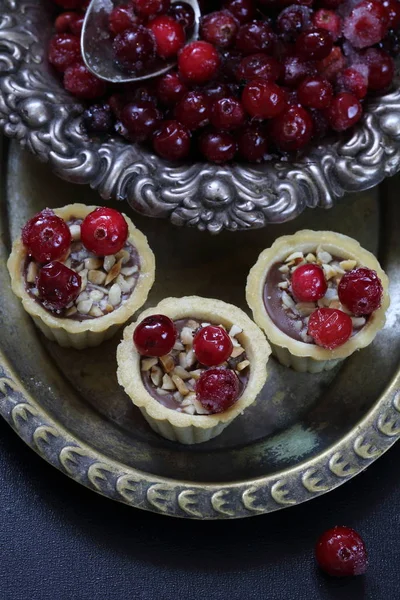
(306, 434)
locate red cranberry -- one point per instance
(46, 236)
(314, 45)
(355, 81)
(64, 51)
(149, 8)
(263, 99)
(183, 13)
(253, 37)
(198, 62)
(252, 143)
(344, 111)
(58, 285)
(295, 70)
(170, 88)
(227, 113)
(309, 283)
(121, 18)
(293, 129)
(329, 327)
(155, 336)
(393, 11)
(76, 26)
(193, 110)
(219, 28)
(69, 22)
(104, 231)
(242, 10)
(216, 90)
(172, 140)
(367, 24)
(341, 552)
(134, 48)
(217, 389)
(329, 20)
(331, 66)
(292, 21)
(315, 92)
(360, 290)
(80, 82)
(258, 66)
(98, 118)
(169, 36)
(381, 69)
(69, 4)
(212, 345)
(140, 119)
(217, 146)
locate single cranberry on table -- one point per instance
(315, 92)
(253, 37)
(367, 24)
(172, 140)
(341, 552)
(293, 129)
(252, 143)
(168, 34)
(134, 49)
(354, 80)
(242, 10)
(329, 20)
(155, 336)
(64, 51)
(58, 285)
(98, 118)
(217, 389)
(330, 327)
(122, 17)
(360, 290)
(296, 69)
(149, 8)
(80, 82)
(212, 345)
(219, 28)
(170, 88)
(217, 146)
(193, 110)
(104, 231)
(381, 68)
(308, 283)
(314, 45)
(292, 21)
(183, 13)
(141, 119)
(344, 111)
(258, 66)
(46, 236)
(263, 99)
(227, 113)
(198, 62)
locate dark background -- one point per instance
(60, 541)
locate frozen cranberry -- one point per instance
(98, 118)
(329, 20)
(252, 143)
(58, 285)
(64, 51)
(332, 65)
(77, 25)
(216, 90)
(69, 22)
(121, 18)
(393, 12)
(140, 119)
(219, 28)
(212, 345)
(293, 129)
(227, 113)
(80, 82)
(258, 66)
(314, 45)
(381, 69)
(198, 62)
(134, 48)
(172, 140)
(169, 36)
(315, 92)
(292, 21)
(344, 112)
(263, 99)
(149, 8)
(170, 88)
(355, 81)
(69, 4)
(217, 146)
(309, 283)
(193, 110)
(341, 552)
(46, 236)
(183, 13)
(360, 290)
(104, 231)
(330, 327)
(242, 10)
(155, 336)
(295, 70)
(217, 389)
(253, 37)
(367, 24)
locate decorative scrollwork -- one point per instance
(280, 492)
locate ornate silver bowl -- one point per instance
(36, 111)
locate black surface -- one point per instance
(59, 541)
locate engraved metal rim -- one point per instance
(46, 120)
(368, 440)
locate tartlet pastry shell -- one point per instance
(292, 353)
(174, 425)
(88, 332)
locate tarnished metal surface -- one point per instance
(305, 435)
(36, 111)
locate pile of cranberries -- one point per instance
(267, 77)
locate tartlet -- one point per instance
(286, 321)
(185, 419)
(113, 287)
